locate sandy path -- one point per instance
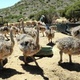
(48, 70)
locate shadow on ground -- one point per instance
(28, 59)
(51, 44)
(71, 67)
(8, 72)
(34, 70)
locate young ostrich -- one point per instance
(70, 45)
(28, 45)
(2, 37)
(50, 34)
(6, 47)
(5, 30)
(42, 27)
(30, 31)
(16, 30)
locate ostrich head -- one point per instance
(27, 44)
(76, 32)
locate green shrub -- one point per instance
(13, 17)
(31, 16)
(48, 14)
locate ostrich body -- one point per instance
(70, 45)
(5, 30)
(31, 31)
(42, 27)
(50, 34)
(6, 47)
(28, 45)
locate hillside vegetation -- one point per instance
(29, 8)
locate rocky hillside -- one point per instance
(25, 8)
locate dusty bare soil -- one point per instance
(48, 68)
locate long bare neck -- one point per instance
(50, 30)
(19, 25)
(37, 39)
(11, 37)
(23, 27)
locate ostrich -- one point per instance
(21, 25)
(28, 30)
(69, 45)
(31, 31)
(6, 47)
(5, 30)
(28, 45)
(2, 37)
(16, 30)
(34, 22)
(42, 27)
(61, 20)
(50, 34)
(76, 32)
(29, 23)
(54, 27)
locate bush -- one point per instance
(47, 13)
(31, 16)
(72, 11)
(11, 18)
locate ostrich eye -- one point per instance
(26, 43)
(22, 44)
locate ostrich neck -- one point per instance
(11, 37)
(50, 30)
(23, 27)
(37, 39)
(19, 26)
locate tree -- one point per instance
(72, 11)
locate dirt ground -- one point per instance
(48, 68)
